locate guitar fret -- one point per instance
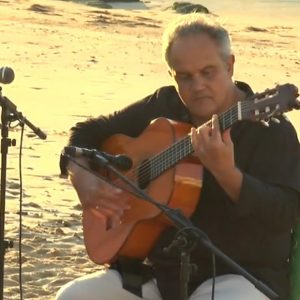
(228, 118)
(170, 157)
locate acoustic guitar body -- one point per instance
(178, 187)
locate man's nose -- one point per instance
(198, 83)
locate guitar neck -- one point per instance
(229, 117)
(183, 147)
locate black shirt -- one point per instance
(256, 232)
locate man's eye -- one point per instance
(208, 73)
(183, 77)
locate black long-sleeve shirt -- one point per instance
(255, 232)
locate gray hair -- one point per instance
(192, 24)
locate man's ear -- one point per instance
(230, 64)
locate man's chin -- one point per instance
(203, 111)
(200, 117)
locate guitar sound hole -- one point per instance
(144, 174)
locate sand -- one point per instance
(73, 61)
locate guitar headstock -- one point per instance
(270, 103)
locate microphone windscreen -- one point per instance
(7, 75)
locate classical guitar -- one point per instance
(164, 167)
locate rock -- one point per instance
(256, 29)
(187, 7)
(121, 0)
(41, 8)
(98, 3)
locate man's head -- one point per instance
(198, 53)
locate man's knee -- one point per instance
(90, 286)
(68, 292)
(228, 287)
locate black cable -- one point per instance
(213, 277)
(20, 212)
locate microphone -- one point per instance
(7, 75)
(122, 162)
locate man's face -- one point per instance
(202, 78)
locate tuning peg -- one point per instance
(265, 123)
(275, 120)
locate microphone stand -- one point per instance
(9, 114)
(186, 241)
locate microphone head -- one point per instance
(7, 75)
(123, 162)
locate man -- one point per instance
(250, 194)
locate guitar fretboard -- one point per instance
(182, 148)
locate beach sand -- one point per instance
(73, 61)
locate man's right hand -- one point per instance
(94, 192)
